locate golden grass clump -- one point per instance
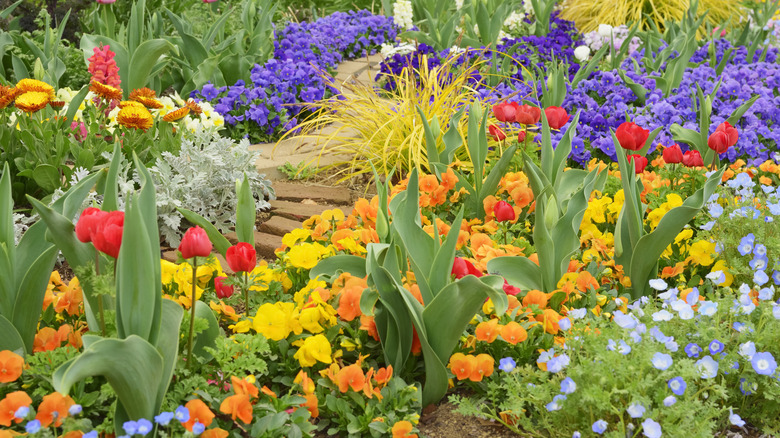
(588, 14)
(370, 125)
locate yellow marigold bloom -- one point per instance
(132, 116)
(315, 348)
(194, 107)
(176, 114)
(147, 97)
(32, 101)
(306, 255)
(33, 85)
(8, 95)
(105, 91)
(126, 103)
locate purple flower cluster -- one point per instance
(280, 87)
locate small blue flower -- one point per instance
(776, 277)
(658, 284)
(747, 388)
(182, 414)
(760, 278)
(759, 250)
(738, 326)
(662, 315)
(627, 322)
(90, 434)
(507, 364)
(164, 418)
(669, 401)
(765, 294)
(735, 419)
(556, 404)
(32, 426)
(22, 412)
(568, 385)
(747, 350)
(672, 346)
(776, 312)
(577, 313)
(764, 363)
(678, 385)
(599, 426)
(75, 410)
(576, 435)
(564, 324)
(144, 427)
(746, 244)
(715, 346)
(558, 363)
(624, 348)
(651, 428)
(662, 361)
(708, 308)
(130, 427)
(692, 350)
(635, 410)
(708, 367)
(198, 428)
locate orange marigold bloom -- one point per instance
(535, 297)
(487, 331)
(126, 103)
(513, 333)
(105, 91)
(462, 366)
(56, 104)
(402, 429)
(46, 339)
(11, 365)
(237, 406)
(199, 413)
(241, 386)
(483, 367)
(215, 433)
(8, 95)
(132, 116)
(147, 97)
(32, 101)
(176, 114)
(194, 107)
(10, 404)
(351, 377)
(28, 85)
(53, 409)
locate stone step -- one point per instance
(279, 226)
(289, 191)
(301, 211)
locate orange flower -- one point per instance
(70, 299)
(312, 404)
(105, 91)
(199, 413)
(56, 104)
(53, 409)
(307, 384)
(368, 324)
(514, 333)
(176, 114)
(267, 391)
(549, 319)
(462, 366)
(487, 331)
(429, 184)
(241, 386)
(351, 377)
(132, 116)
(215, 433)
(673, 271)
(349, 299)
(383, 375)
(535, 297)
(194, 107)
(449, 179)
(237, 406)
(522, 196)
(483, 367)
(8, 95)
(73, 434)
(402, 429)
(28, 85)
(10, 366)
(125, 103)
(46, 339)
(585, 281)
(146, 97)
(10, 404)
(32, 101)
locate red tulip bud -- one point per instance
(528, 115)
(107, 236)
(195, 243)
(556, 116)
(673, 154)
(88, 222)
(223, 290)
(462, 267)
(639, 161)
(503, 211)
(496, 133)
(521, 137)
(718, 142)
(730, 131)
(505, 111)
(692, 159)
(241, 257)
(631, 136)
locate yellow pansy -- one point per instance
(295, 236)
(263, 277)
(277, 321)
(242, 326)
(310, 319)
(315, 348)
(168, 270)
(306, 255)
(701, 252)
(333, 215)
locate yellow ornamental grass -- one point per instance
(369, 125)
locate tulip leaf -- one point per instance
(206, 338)
(330, 268)
(739, 112)
(518, 271)
(441, 268)
(110, 194)
(144, 57)
(394, 316)
(245, 212)
(220, 242)
(168, 345)
(11, 339)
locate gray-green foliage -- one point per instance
(202, 178)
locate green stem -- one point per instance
(192, 311)
(246, 292)
(100, 296)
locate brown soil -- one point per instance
(444, 422)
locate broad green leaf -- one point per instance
(6, 211)
(7, 289)
(397, 343)
(168, 345)
(47, 176)
(143, 60)
(110, 192)
(441, 268)
(11, 340)
(29, 295)
(245, 212)
(207, 337)
(330, 268)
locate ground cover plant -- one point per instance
(576, 233)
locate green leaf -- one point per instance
(220, 242)
(207, 337)
(245, 212)
(518, 270)
(132, 366)
(110, 193)
(78, 98)
(143, 60)
(11, 340)
(47, 176)
(330, 268)
(168, 345)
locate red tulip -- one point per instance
(88, 222)
(556, 116)
(528, 114)
(673, 154)
(223, 290)
(510, 290)
(718, 142)
(107, 236)
(692, 159)
(639, 161)
(521, 137)
(631, 136)
(503, 211)
(496, 133)
(241, 257)
(505, 111)
(730, 131)
(195, 243)
(462, 267)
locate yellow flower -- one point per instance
(333, 215)
(310, 319)
(720, 265)
(700, 253)
(28, 85)
(306, 255)
(263, 277)
(168, 271)
(241, 327)
(132, 116)
(176, 114)
(32, 101)
(315, 348)
(294, 236)
(277, 321)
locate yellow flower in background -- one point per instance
(720, 265)
(295, 236)
(617, 204)
(135, 117)
(314, 349)
(333, 215)
(277, 321)
(168, 271)
(310, 320)
(302, 295)
(28, 85)
(241, 327)
(306, 255)
(263, 277)
(672, 200)
(701, 252)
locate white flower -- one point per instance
(402, 14)
(582, 53)
(458, 4)
(605, 30)
(658, 284)
(514, 21)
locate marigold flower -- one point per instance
(8, 95)
(462, 366)
(56, 104)
(126, 103)
(199, 413)
(147, 97)
(11, 365)
(194, 107)
(487, 331)
(402, 429)
(136, 117)
(237, 406)
(32, 101)
(10, 404)
(28, 85)
(176, 114)
(54, 403)
(513, 333)
(483, 367)
(107, 92)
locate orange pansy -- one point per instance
(487, 331)
(215, 433)
(351, 377)
(513, 333)
(53, 409)
(10, 404)
(46, 339)
(199, 413)
(11, 365)
(241, 386)
(462, 366)
(483, 367)
(237, 406)
(402, 429)
(535, 297)
(312, 404)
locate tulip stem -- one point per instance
(100, 296)
(246, 293)
(192, 311)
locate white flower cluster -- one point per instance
(388, 50)
(514, 22)
(458, 4)
(528, 7)
(402, 14)
(596, 39)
